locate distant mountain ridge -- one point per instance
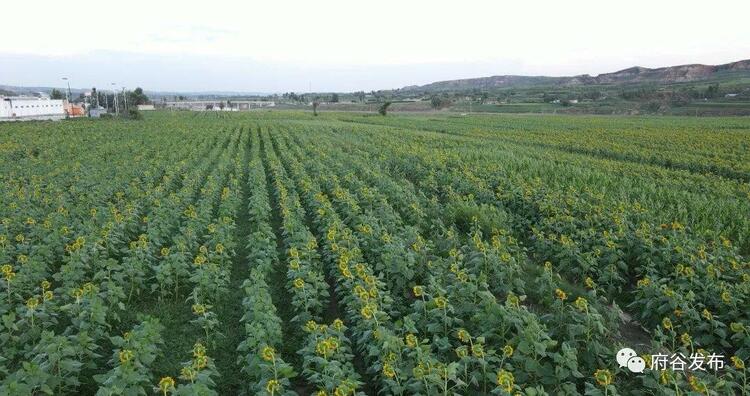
(632, 75)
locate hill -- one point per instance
(692, 89)
(632, 75)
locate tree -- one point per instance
(221, 105)
(315, 105)
(334, 98)
(56, 94)
(360, 95)
(134, 114)
(439, 102)
(292, 96)
(383, 109)
(105, 100)
(712, 91)
(94, 97)
(548, 98)
(137, 97)
(652, 106)
(592, 94)
(483, 98)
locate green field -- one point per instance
(280, 253)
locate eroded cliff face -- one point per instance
(637, 74)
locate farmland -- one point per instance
(280, 253)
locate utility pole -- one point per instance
(125, 97)
(67, 94)
(117, 109)
(67, 98)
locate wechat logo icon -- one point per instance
(627, 357)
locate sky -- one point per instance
(323, 46)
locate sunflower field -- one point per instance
(277, 253)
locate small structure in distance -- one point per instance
(218, 105)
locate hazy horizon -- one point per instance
(335, 46)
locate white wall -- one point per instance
(4, 109)
(10, 107)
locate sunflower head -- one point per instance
(125, 356)
(166, 384)
(666, 323)
(411, 340)
(388, 370)
(337, 324)
(505, 380)
(299, 283)
(581, 304)
(272, 386)
(268, 353)
(507, 351)
(603, 377)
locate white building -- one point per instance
(30, 108)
